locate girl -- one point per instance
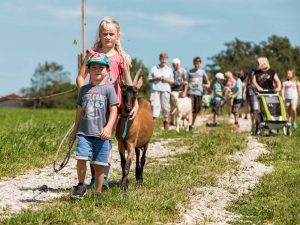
(108, 42)
(230, 83)
(290, 93)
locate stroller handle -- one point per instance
(266, 92)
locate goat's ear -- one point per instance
(139, 82)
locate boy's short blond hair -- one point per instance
(228, 74)
(263, 63)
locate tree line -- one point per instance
(50, 78)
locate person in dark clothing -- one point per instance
(264, 78)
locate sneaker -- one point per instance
(294, 125)
(105, 183)
(166, 125)
(79, 191)
(92, 184)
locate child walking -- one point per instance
(95, 117)
(291, 93)
(237, 95)
(197, 80)
(206, 100)
(108, 42)
(217, 98)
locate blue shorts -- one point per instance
(93, 149)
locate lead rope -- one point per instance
(125, 128)
(67, 157)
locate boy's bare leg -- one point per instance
(81, 170)
(99, 175)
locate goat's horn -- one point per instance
(137, 76)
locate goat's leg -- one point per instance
(143, 160)
(178, 118)
(123, 158)
(124, 182)
(137, 166)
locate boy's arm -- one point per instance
(236, 93)
(207, 85)
(107, 130)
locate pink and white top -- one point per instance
(230, 83)
(116, 65)
(291, 89)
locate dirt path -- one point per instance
(25, 190)
(208, 204)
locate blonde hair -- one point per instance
(118, 47)
(294, 75)
(263, 63)
(228, 74)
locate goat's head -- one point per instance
(129, 92)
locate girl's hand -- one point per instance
(134, 110)
(106, 133)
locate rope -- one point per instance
(67, 157)
(41, 97)
(125, 128)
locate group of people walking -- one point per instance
(233, 89)
(99, 101)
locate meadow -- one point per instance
(29, 139)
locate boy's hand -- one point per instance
(106, 133)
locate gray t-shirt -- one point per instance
(196, 81)
(95, 101)
(179, 78)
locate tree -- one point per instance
(48, 79)
(241, 55)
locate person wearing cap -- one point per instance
(180, 84)
(95, 117)
(161, 79)
(217, 97)
(197, 81)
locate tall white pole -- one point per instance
(82, 29)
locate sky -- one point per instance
(33, 31)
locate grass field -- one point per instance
(29, 138)
(165, 186)
(276, 200)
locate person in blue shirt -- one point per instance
(237, 95)
(217, 98)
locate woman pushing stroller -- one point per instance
(264, 78)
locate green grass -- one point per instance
(276, 200)
(29, 138)
(165, 186)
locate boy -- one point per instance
(197, 80)
(206, 100)
(217, 98)
(237, 95)
(95, 117)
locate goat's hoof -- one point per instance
(139, 182)
(124, 187)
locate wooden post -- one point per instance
(82, 30)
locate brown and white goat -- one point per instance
(139, 132)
